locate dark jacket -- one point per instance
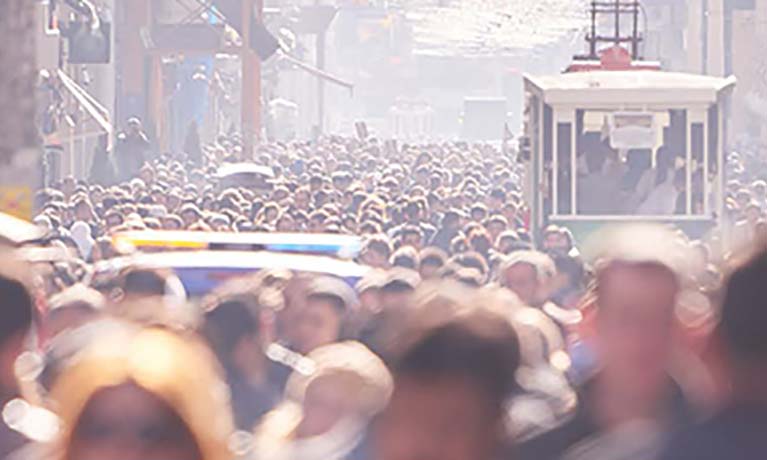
(738, 432)
(582, 427)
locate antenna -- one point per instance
(617, 9)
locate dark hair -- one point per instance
(411, 230)
(433, 256)
(473, 260)
(498, 193)
(229, 322)
(143, 281)
(405, 257)
(17, 307)
(478, 346)
(744, 318)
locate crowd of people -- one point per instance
(468, 337)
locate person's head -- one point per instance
(286, 223)
(496, 199)
(496, 225)
(302, 199)
(17, 308)
(637, 286)
(412, 212)
(523, 273)
(172, 222)
(84, 210)
(152, 296)
(315, 183)
(377, 252)
(451, 220)
(555, 239)
(452, 375)
(397, 289)
(349, 382)
(742, 324)
(134, 126)
(190, 214)
(759, 188)
(405, 257)
(146, 395)
(481, 241)
(321, 322)
(412, 236)
(72, 308)
(317, 221)
(506, 241)
(753, 213)
(113, 219)
(478, 212)
(232, 327)
(432, 261)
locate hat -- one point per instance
(334, 287)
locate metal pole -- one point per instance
(617, 22)
(251, 80)
(635, 35)
(320, 82)
(593, 41)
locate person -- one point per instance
(531, 276)
(448, 231)
(431, 261)
(453, 369)
(192, 146)
(658, 189)
(737, 429)
(152, 296)
(325, 413)
(627, 408)
(232, 326)
(16, 304)
(132, 150)
(72, 308)
(598, 187)
(81, 234)
(329, 302)
(149, 394)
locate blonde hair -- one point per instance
(179, 370)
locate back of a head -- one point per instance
(743, 316)
(142, 281)
(226, 324)
(17, 307)
(452, 338)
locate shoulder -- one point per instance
(552, 444)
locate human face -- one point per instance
(522, 279)
(172, 202)
(83, 212)
(170, 224)
(302, 200)
(374, 259)
(189, 218)
(128, 423)
(495, 229)
(316, 225)
(412, 239)
(636, 311)
(429, 271)
(286, 224)
(436, 419)
(319, 324)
